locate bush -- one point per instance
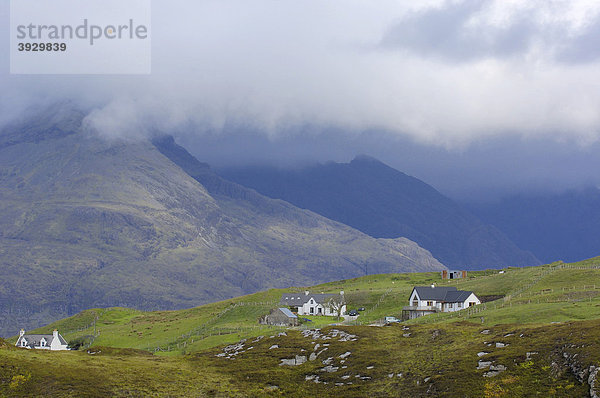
(81, 342)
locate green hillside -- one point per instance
(549, 293)
(546, 321)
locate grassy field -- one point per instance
(392, 361)
(537, 295)
(552, 310)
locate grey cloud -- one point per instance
(449, 32)
(290, 82)
(444, 32)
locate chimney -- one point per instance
(55, 334)
(22, 333)
(341, 292)
(432, 285)
(306, 292)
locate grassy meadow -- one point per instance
(552, 310)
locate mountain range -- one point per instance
(386, 203)
(87, 222)
(554, 226)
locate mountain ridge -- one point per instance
(386, 203)
(89, 223)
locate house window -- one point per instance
(460, 305)
(312, 310)
(415, 303)
(23, 343)
(430, 303)
(43, 343)
(471, 304)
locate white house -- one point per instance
(315, 304)
(426, 300)
(53, 342)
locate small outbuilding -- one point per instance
(279, 317)
(447, 274)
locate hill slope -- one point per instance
(87, 223)
(543, 340)
(385, 203)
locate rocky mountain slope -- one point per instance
(89, 223)
(385, 203)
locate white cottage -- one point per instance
(315, 304)
(426, 300)
(53, 342)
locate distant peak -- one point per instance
(365, 159)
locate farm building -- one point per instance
(53, 342)
(315, 304)
(447, 274)
(280, 317)
(426, 300)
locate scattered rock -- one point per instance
(406, 335)
(309, 377)
(316, 346)
(484, 364)
(272, 388)
(399, 375)
(273, 347)
(391, 375)
(346, 377)
(312, 357)
(501, 345)
(491, 374)
(259, 338)
(509, 334)
(298, 360)
(370, 367)
(329, 369)
(592, 379)
(328, 361)
(485, 331)
(482, 353)
(282, 334)
(500, 368)
(344, 355)
(425, 380)
(530, 354)
(339, 384)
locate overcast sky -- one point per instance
(475, 97)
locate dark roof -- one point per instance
(448, 294)
(293, 299)
(297, 299)
(34, 340)
(457, 296)
(433, 293)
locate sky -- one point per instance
(478, 98)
